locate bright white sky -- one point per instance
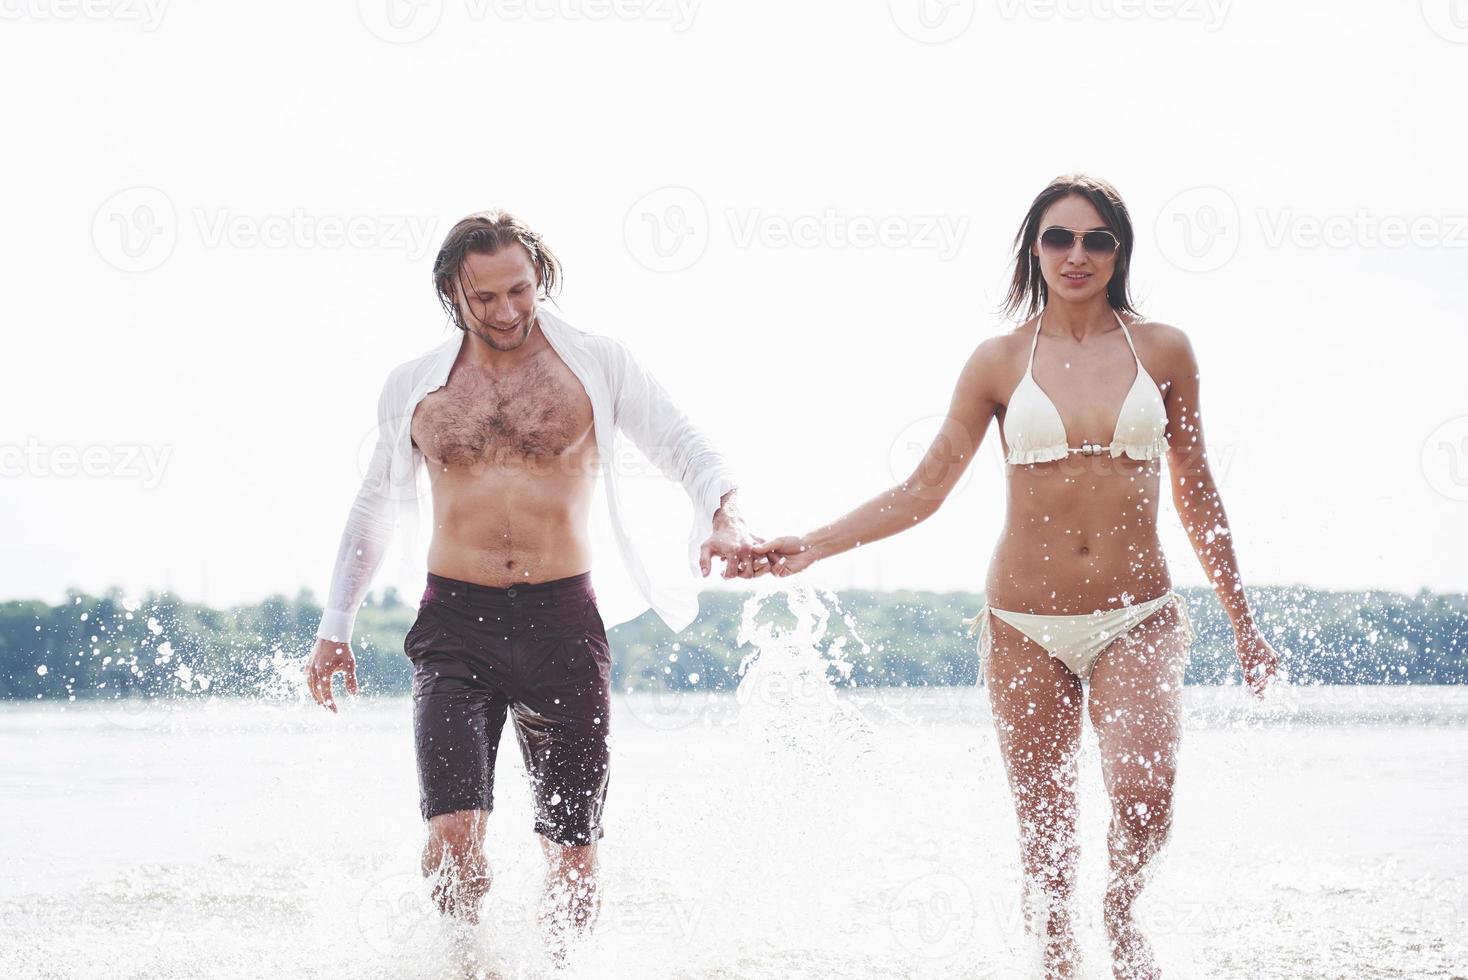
(1333, 381)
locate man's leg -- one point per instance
(457, 724)
(562, 718)
(454, 860)
(572, 891)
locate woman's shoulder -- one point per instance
(996, 364)
(1005, 344)
(1155, 330)
(1163, 346)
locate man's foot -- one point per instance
(466, 959)
(1131, 953)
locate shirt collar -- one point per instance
(558, 334)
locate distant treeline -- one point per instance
(157, 646)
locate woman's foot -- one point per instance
(1062, 955)
(1131, 954)
(1051, 924)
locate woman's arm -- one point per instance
(1200, 507)
(919, 496)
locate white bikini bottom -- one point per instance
(1076, 641)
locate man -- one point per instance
(515, 416)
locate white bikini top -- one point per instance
(1036, 434)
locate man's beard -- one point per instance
(497, 341)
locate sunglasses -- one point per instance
(1057, 239)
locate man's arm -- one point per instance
(368, 532)
(363, 544)
(682, 452)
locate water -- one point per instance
(785, 831)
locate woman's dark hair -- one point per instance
(486, 232)
(1027, 289)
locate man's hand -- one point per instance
(788, 555)
(326, 661)
(732, 542)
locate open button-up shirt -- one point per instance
(624, 397)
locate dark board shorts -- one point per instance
(537, 652)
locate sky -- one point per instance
(219, 223)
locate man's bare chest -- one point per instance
(537, 412)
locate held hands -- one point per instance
(328, 659)
(732, 542)
(789, 555)
(1257, 658)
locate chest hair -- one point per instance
(534, 413)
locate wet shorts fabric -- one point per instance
(537, 652)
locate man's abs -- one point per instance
(508, 529)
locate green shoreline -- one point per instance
(98, 647)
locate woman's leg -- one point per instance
(1036, 702)
(1136, 709)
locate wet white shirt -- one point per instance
(624, 398)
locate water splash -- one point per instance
(787, 696)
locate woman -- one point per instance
(1078, 589)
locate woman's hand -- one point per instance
(1256, 657)
(789, 555)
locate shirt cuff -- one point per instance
(336, 626)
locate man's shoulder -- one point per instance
(412, 371)
(607, 352)
(555, 323)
